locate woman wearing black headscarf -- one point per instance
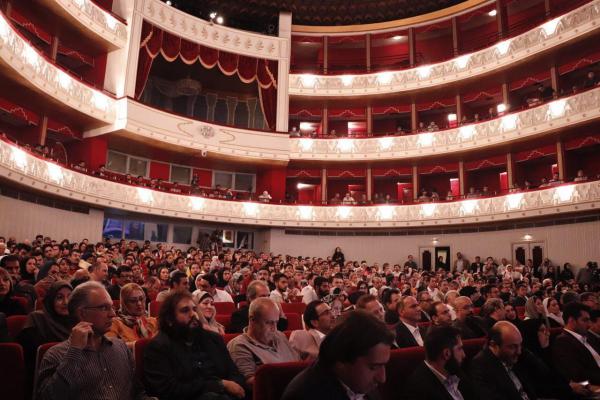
(51, 324)
(28, 269)
(46, 277)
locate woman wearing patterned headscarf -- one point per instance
(132, 323)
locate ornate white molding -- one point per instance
(556, 32)
(26, 169)
(45, 77)
(177, 130)
(214, 35)
(93, 18)
(540, 120)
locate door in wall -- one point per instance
(523, 251)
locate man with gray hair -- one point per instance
(492, 312)
(89, 365)
(262, 343)
(239, 319)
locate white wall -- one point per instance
(575, 243)
(24, 220)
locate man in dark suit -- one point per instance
(593, 335)
(573, 356)
(408, 333)
(466, 322)
(240, 318)
(351, 364)
(439, 376)
(493, 371)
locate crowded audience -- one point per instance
(98, 297)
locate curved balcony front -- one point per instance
(20, 60)
(91, 20)
(538, 121)
(23, 168)
(552, 35)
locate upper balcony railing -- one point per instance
(24, 168)
(94, 19)
(214, 35)
(554, 33)
(43, 75)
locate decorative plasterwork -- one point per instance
(224, 140)
(549, 117)
(577, 23)
(214, 35)
(94, 18)
(26, 169)
(45, 77)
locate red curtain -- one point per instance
(248, 69)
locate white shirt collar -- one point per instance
(351, 394)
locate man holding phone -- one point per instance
(88, 364)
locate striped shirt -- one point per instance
(67, 372)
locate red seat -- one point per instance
(154, 308)
(15, 324)
(520, 311)
(224, 307)
(224, 320)
(271, 380)
(229, 336)
(401, 365)
(12, 371)
(476, 310)
(24, 303)
(294, 322)
(297, 308)
(38, 361)
(473, 346)
(138, 355)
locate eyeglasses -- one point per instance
(104, 308)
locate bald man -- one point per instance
(262, 343)
(494, 371)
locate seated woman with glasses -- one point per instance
(132, 323)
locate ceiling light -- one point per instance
(501, 108)
(212, 15)
(451, 117)
(219, 20)
(493, 13)
(169, 3)
(397, 37)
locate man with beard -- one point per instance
(466, 322)
(185, 361)
(280, 293)
(440, 376)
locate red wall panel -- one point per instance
(93, 151)
(204, 177)
(159, 170)
(273, 181)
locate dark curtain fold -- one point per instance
(228, 63)
(189, 51)
(247, 69)
(149, 49)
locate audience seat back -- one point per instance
(154, 308)
(225, 320)
(12, 371)
(271, 380)
(24, 303)
(401, 365)
(224, 308)
(229, 336)
(41, 351)
(15, 324)
(138, 355)
(294, 321)
(297, 308)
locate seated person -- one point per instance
(423, 198)
(123, 276)
(466, 321)
(491, 312)
(351, 364)
(408, 333)
(494, 370)
(390, 298)
(580, 176)
(239, 318)
(207, 312)
(208, 283)
(318, 321)
(573, 356)
(265, 197)
(440, 315)
(261, 343)
(45, 278)
(440, 375)
(132, 322)
(8, 305)
(185, 361)
(177, 281)
(72, 370)
(370, 304)
(51, 324)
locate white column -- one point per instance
(283, 72)
(122, 64)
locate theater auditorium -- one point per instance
(299, 199)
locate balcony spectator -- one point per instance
(377, 198)
(424, 197)
(176, 188)
(463, 120)
(388, 199)
(485, 192)
(543, 183)
(590, 80)
(333, 134)
(81, 167)
(228, 195)
(318, 322)
(545, 92)
(526, 185)
(476, 118)
(580, 176)
(434, 195)
(336, 200)
(295, 133)
(492, 113)
(421, 128)
(399, 131)
(449, 196)
(433, 127)
(555, 180)
(472, 193)
(265, 197)
(363, 201)
(348, 200)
